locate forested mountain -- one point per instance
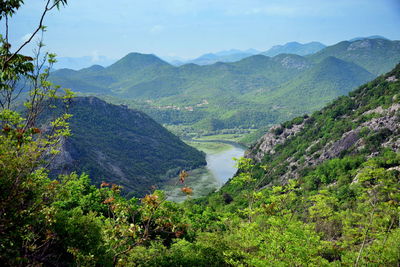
(324, 81)
(319, 190)
(323, 189)
(368, 37)
(126, 147)
(294, 48)
(362, 124)
(253, 92)
(375, 55)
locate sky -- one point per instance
(189, 28)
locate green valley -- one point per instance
(254, 92)
(288, 157)
(318, 190)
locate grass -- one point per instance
(209, 147)
(225, 137)
(201, 180)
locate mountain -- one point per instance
(77, 63)
(122, 146)
(294, 48)
(323, 82)
(319, 190)
(223, 56)
(368, 37)
(316, 187)
(375, 55)
(254, 92)
(363, 124)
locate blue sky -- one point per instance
(189, 28)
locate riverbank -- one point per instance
(220, 168)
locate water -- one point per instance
(220, 168)
(222, 165)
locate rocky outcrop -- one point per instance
(388, 120)
(276, 135)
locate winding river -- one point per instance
(222, 165)
(220, 168)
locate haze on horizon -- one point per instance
(189, 28)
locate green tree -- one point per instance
(24, 187)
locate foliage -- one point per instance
(118, 145)
(342, 211)
(251, 93)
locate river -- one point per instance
(220, 168)
(222, 165)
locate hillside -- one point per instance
(122, 146)
(323, 82)
(323, 189)
(320, 190)
(375, 55)
(294, 48)
(251, 93)
(362, 124)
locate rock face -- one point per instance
(126, 147)
(289, 61)
(277, 135)
(362, 124)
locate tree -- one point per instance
(24, 186)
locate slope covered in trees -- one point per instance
(117, 145)
(320, 190)
(253, 92)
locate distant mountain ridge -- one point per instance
(231, 55)
(234, 55)
(375, 55)
(295, 48)
(368, 37)
(253, 92)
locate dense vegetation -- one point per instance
(251, 93)
(122, 146)
(327, 194)
(343, 210)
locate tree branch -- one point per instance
(39, 27)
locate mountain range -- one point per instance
(253, 92)
(295, 48)
(231, 55)
(234, 55)
(318, 190)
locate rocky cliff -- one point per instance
(363, 123)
